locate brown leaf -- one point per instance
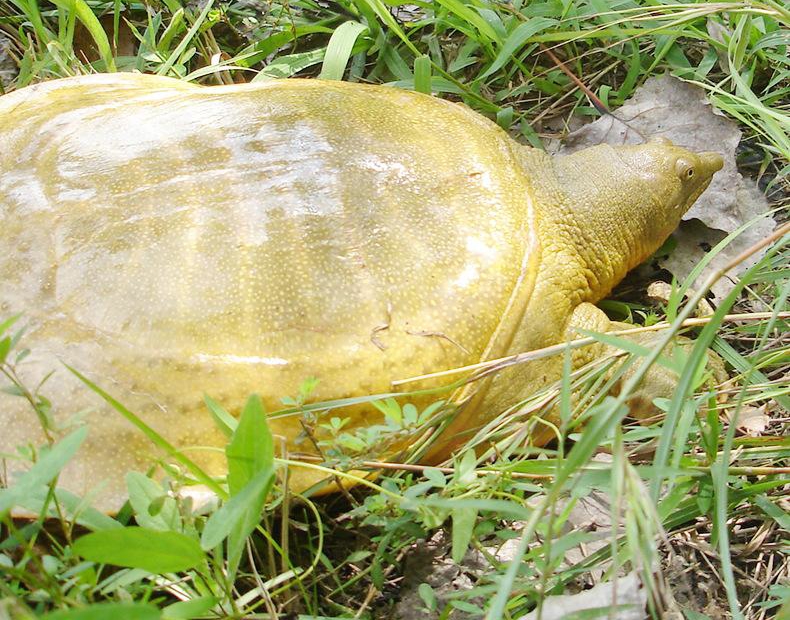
(8, 67)
(624, 596)
(752, 421)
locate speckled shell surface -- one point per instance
(171, 240)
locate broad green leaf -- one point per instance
(494, 20)
(604, 11)
(358, 556)
(251, 449)
(5, 347)
(739, 40)
(286, 66)
(465, 470)
(435, 476)
(705, 496)
(778, 38)
(68, 505)
(395, 63)
(516, 40)
(43, 471)
(250, 455)
(438, 85)
(428, 596)
(173, 28)
(9, 322)
(464, 520)
(243, 509)
(185, 610)
(338, 51)
(466, 56)
(504, 118)
(634, 70)
(460, 605)
(103, 611)
(139, 547)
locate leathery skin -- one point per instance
(171, 240)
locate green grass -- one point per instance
(686, 486)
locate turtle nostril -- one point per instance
(712, 162)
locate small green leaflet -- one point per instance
(47, 467)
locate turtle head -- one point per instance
(671, 177)
(622, 202)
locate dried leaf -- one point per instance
(8, 69)
(752, 421)
(625, 593)
(660, 292)
(694, 240)
(592, 514)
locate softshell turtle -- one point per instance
(171, 240)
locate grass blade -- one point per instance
(224, 421)
(338, 51)
(422, 75)
(516, 40)
(164, 69)
(470, 16)
(88, 18)
(251, 450)
(155, 437)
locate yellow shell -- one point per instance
(171, 241)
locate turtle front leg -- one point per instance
(659, 382)
(591, 318)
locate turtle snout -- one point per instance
(711, 163)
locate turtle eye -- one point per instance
(685, 170)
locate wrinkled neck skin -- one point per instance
(595, 214)
(598, 213)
